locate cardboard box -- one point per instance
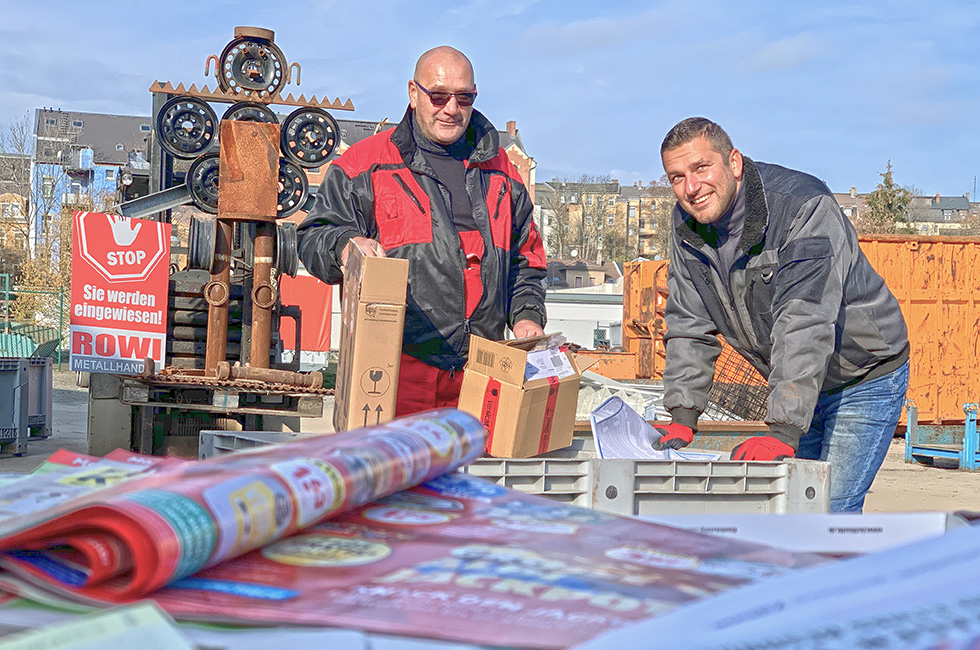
(526, 413)
(372, 323)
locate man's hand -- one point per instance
(370, 248)
(673, 436)
(762, 448)
(526, 328)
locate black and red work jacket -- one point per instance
(383, 188)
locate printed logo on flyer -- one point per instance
(318, 486)
(405, 516)
(326, 551)
(465, 486)
(652, 558)
(250, 511)
(407, 499)
(439, 437)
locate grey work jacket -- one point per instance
(802, 303)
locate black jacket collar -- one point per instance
(756, 213)
(480, 131)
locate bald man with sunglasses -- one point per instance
(439, 191)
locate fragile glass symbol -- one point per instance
(375, 376)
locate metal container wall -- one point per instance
(644, 301)
(936, 281)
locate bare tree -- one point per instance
(39, 187)
(661, 213)
(555, 211)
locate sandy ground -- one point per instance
(899, 487)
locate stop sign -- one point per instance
(121, 249)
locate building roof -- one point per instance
(111, 137)
(104, 134)
(950, 203)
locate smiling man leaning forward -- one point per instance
(764, 256)
(439, 191)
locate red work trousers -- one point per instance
(422, 387)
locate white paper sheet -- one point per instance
(621, 432)
(909, 598)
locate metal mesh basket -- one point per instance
(738, 387)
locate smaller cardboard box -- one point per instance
(372, 324)
(526, 399)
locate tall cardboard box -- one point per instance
(372, 324)
(525, 412)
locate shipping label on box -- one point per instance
(526, 399)
(372, 325)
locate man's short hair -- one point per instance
(693, 128)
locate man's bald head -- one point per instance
(442, 70)
(440, 56)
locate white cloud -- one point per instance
(785, 54)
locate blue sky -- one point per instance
(833, 88)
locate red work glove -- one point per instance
(762, 448)
(673, 436)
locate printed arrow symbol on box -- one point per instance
(379, 410)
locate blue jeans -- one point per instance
(852, 429)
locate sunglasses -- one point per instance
(441, 98)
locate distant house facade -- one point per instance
(928, 215)
(77, 161)
(598, 220)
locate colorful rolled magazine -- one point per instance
(369, 530)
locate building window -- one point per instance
(50, 121)
(632, 211)
(601, 201)
(588, 219)
(947, 215)
(47, 187)
(573, 198)
(612, 201)
(643, 224)
(77, 124)
(847, 212)
(562, 198)
(119, 147)
(611, 220)
(110, 174)
(588, 200)
(145, 128)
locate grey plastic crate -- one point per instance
(627, 487)
(647, 487)
(218, 443)
(39, 395)
(632, 487)
(14, 402)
